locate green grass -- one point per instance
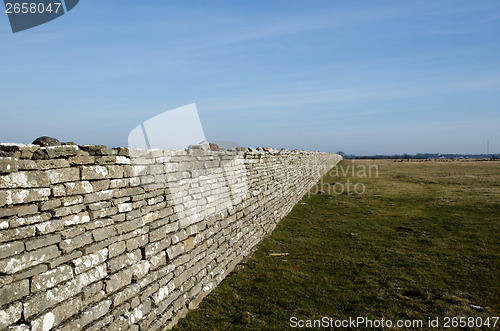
(422, 241)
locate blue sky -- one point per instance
(364, 77)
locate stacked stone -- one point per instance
(98, 238)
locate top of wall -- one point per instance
(104, 154)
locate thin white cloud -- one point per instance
(342, 95)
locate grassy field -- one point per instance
(423, 240)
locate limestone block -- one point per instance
(94, 172)
(69, 245)
(77, 188)
(50, 226)
(124, 260)
(117, 248)
(125, 294)
(14, 291)
(136, 242)
(54, 317)
(80, 218)
(8, 165)
(140, 270)
(42, 241)
(118, 280)
(63, 175)
(10, 315)
(28, 259)
(10, 249)
(51, 278)
(45, 300)
(89, 261)
(94, 312)
(18, 196)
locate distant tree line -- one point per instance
(422, 156)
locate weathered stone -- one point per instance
(101, 213)
(65, 211)
(124, 207)
(99, 205)
(174, 251)
(71, 200)
(140, 270)
(20, 211)
(29, 259)
(18, 150)
(22, 327)
(165, 292)
(124, 260)
(100, 223)
(10, 315)
(64, 258)
(17, 233)
(67, 150)
(53, 318)
(50, 226)
(52, 164)
(158, 260)
(93, 293)
(46, 141)
(58, 190)
(95, 312)
(99, 150)
(114, 171)
(139, 312)
(154, 248)
(45, 300)
(63, 175)
(130, 225)
(10, 249)
(98, 196)
(69, 245)
(18, 196)
(139, 241)
(27, 165)
(100, 185)
(30, 272)
(43, 241)
(81, 160)
(87, 262)
(50, 204)
(99, 245)
(81, 218)
(214, 147)
(103, 233)
(77, 188)
(24, 179)
(118, 280)
(51, 278)
(14, 291)
(94, 172)
(125, 294)
(8, 165)
(119, 183)
(28, 220)
(117, 248)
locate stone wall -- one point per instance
(98, 238)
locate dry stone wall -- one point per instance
(98, 238)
